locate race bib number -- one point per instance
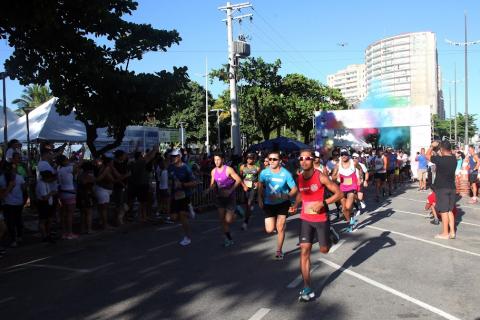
(249, 184)
(178, 195)
(309, 207)
(347, 181)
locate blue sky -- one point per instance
(304, 35)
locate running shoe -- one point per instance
(334, 236)
(435, 222)
(279, 255)
(363, 205)
(227, 243)
(244, 226)
(185, 241)
(358, 212)
(353, 223)
(306, 295)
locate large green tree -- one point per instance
(33, 96)
(261, 100)
(83, 49)
(441, 128)
(303, 97)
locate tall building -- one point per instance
(405, 66)
(351, 82)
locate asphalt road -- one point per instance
(390, 268)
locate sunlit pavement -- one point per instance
(390, 268)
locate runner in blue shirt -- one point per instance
(275, 188)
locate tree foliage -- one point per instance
(83, 49)
(33, 96)
(441, 128)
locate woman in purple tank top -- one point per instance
(226, 181)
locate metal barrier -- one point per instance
(200, 199)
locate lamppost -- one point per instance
(3, 76)
(465, 44)
(27, 110)
(207, 140)
(218, 126)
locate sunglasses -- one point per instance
(305, 158)
(354, 157)
(273, 159)
(344, 154)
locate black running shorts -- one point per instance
(308, 230)
(273, 210)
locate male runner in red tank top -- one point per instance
(311, 186)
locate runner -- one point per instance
(317, 163)
(226, 180)
(314, 219)
(346, 170)
(391, 167)
(275, 188)
(380, 167)
(181, 182)
(473, 165)
(249, 173)
(363, 177)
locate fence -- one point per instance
(200, 199)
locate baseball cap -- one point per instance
(175, 152)
(316, 154)
(344, 152)
(355, 155)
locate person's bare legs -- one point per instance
(182, 216)
(451, 224)
(444, 234)
(281, 222)
(305, 251)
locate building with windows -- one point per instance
(405, 67)
(351, 82)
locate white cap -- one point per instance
(355, 155)
(175, 152)
(344, 151)
(317, 154)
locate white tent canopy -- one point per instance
(46, 124)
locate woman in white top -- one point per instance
(161, 174)
(13, 193)
(67, 194)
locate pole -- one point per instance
(207, 140)
(218, 130)
(181, 134)
(235, 127)
(450, 110)
(5, 134)
(455, 103)
(466, 84)
(28, 142)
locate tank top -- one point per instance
(471, 163)
(250, 176)
(348, 177)
(378, 163)
(222, 179)
(312, 191)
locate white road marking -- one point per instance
(259, 314)
(299, 279)
(138, 257)
(426, 241)
(402, 295)
(168, 228)
(25, 263)
(426, 215)
(54, 267)
(210, 230)
(162, 246)
(336, 246)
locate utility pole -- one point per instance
(455, 102)
(465, 44)
(3, 75)
(232, 62)
(218, 127)
(450, 111)
(207, 141)
(182, 134)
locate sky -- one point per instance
(305, 35)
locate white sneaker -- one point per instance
(358, 213)
(244, 226)
(191, 211)
(185, 241)
(363, 205)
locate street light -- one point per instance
(218, 125)
(3, 76)
(207, 140)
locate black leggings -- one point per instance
(13, 218)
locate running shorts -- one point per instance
(308, 231)
(273, 210)
(180, 205)
(473, 177)
(227, 203)
(380, 176)
(250, 195)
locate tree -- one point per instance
(262, 103)
(33, 96)
(305, 96)
(441, 128)
(192, 113)
(83, 50)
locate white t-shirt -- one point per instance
(43, 189)
(163, 176)
(65, 178)
(15, 197)
(9, 154)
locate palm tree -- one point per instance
(33, 96)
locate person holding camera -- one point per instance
(444, 185)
